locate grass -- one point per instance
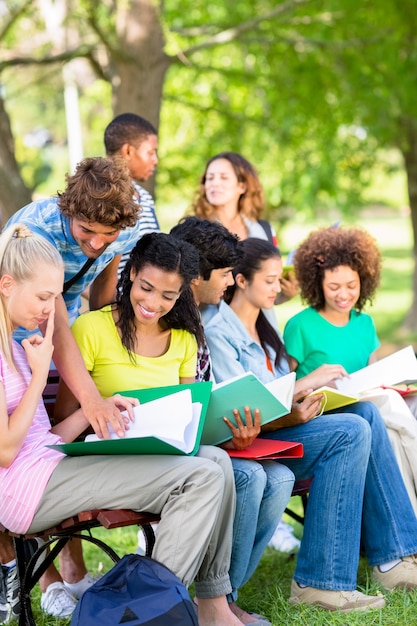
(268, 590)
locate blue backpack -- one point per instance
(137, 591)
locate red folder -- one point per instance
(264, 449)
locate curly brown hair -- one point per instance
(328, 248)
(251, 202)
(100, 191)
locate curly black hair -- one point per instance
(216, 245)
(328, 248)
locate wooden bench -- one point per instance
(76, 527)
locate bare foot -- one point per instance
(216, 612)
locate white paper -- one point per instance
(283, 389)
(173, 419)
(391, 370)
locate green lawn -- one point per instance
(268, 590)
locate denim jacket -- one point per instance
(234, 352)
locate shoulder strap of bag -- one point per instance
(267, 228)
(69, 283)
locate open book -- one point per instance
(398, 368)
(273, 399)
(333, 398)
(168, 420)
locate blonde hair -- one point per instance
(20, 251)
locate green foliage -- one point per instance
(299, 93)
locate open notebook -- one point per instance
(273, 399)
(168, 420)
(399, 367)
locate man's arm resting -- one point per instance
(71, 367)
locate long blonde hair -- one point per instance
(20, 252)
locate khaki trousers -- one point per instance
(195, 497)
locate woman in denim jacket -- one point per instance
(357, 490)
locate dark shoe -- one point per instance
(12, 579)
(4, 605)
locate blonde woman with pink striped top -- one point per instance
(40, 487)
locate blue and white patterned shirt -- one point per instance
(44, 218)
(148, 220)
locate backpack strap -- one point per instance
(69, 283)
(268, 230)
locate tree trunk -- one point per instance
(139, 72)
(14, 193)
(410, 160)
(139, 68)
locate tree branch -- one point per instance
(14, 15)
(63, 57)
(231, 34)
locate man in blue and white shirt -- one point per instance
(92, 223)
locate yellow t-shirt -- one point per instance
(109, 363)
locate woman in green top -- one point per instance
(338, 271)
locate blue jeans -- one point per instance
(357, 491)
(262, 493)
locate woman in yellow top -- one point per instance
(148, 338)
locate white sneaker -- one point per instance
(284, 539)
(58, 601)
(77, 589)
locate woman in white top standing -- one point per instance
(231, 193)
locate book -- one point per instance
(273, 399)
(168, 420)
(333, 398)
(399, 367)
(403, 389)
(286, 270)
(269, 449)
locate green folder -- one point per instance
(200, 392)
(273, 399)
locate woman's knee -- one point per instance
(355, 431)
(249, 475)
(219, 457)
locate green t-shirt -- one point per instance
(313, 341)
